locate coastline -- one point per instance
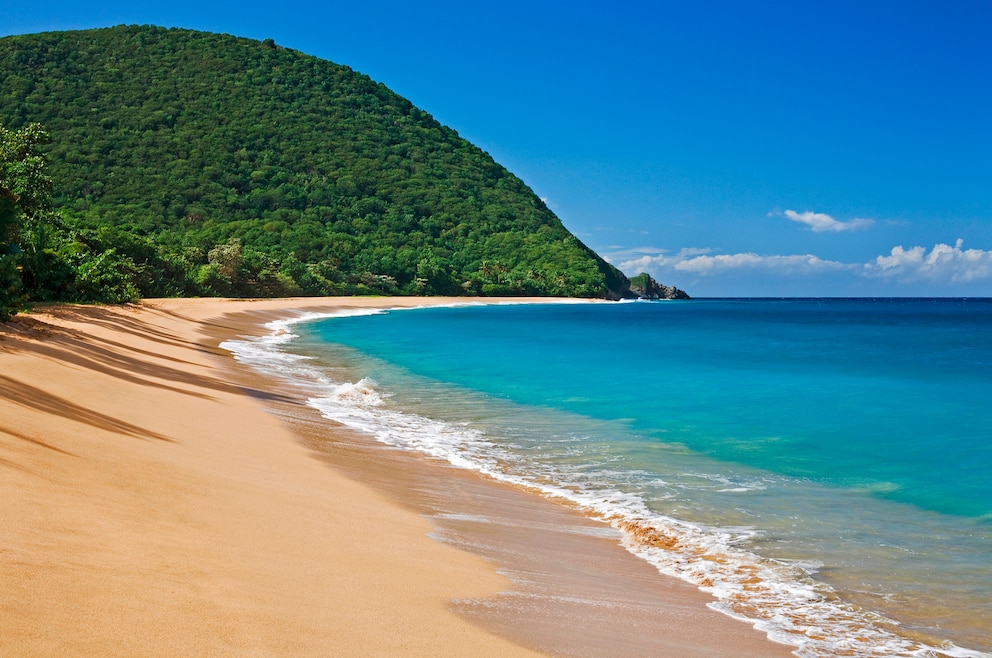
(180, 517)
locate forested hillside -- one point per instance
(210, 164)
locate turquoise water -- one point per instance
(821, 466)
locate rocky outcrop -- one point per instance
(643, 286)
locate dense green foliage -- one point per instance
(23, 198)
(43, 257)
(210, 164)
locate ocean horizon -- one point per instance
(818, 465)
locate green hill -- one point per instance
(222, 165)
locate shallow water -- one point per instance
(818, 465)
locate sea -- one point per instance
(821, 467)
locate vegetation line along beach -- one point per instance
(141, 161)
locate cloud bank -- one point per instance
(699, 261)
(784, 264)
(819, 222)
(943, 269)
(943, 264)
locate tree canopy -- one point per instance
(24, 201)
(208, 164)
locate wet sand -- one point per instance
(161, 499)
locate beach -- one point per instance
(161, 499)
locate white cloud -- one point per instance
(942, 263)
(642, 259)
(699, 261)
(799, 264)
(694, 251)
(820, 222)
(640, 264)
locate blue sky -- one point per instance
(729, 148)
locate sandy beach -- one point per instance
(156, 502)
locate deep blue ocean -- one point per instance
(822, 466)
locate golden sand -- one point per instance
(149, 506)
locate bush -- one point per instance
(108, 277)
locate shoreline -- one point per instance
(180, 516)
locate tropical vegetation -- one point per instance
(188, 163)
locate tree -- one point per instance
(227, 259)
(25, 200)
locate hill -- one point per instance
(222, 165)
